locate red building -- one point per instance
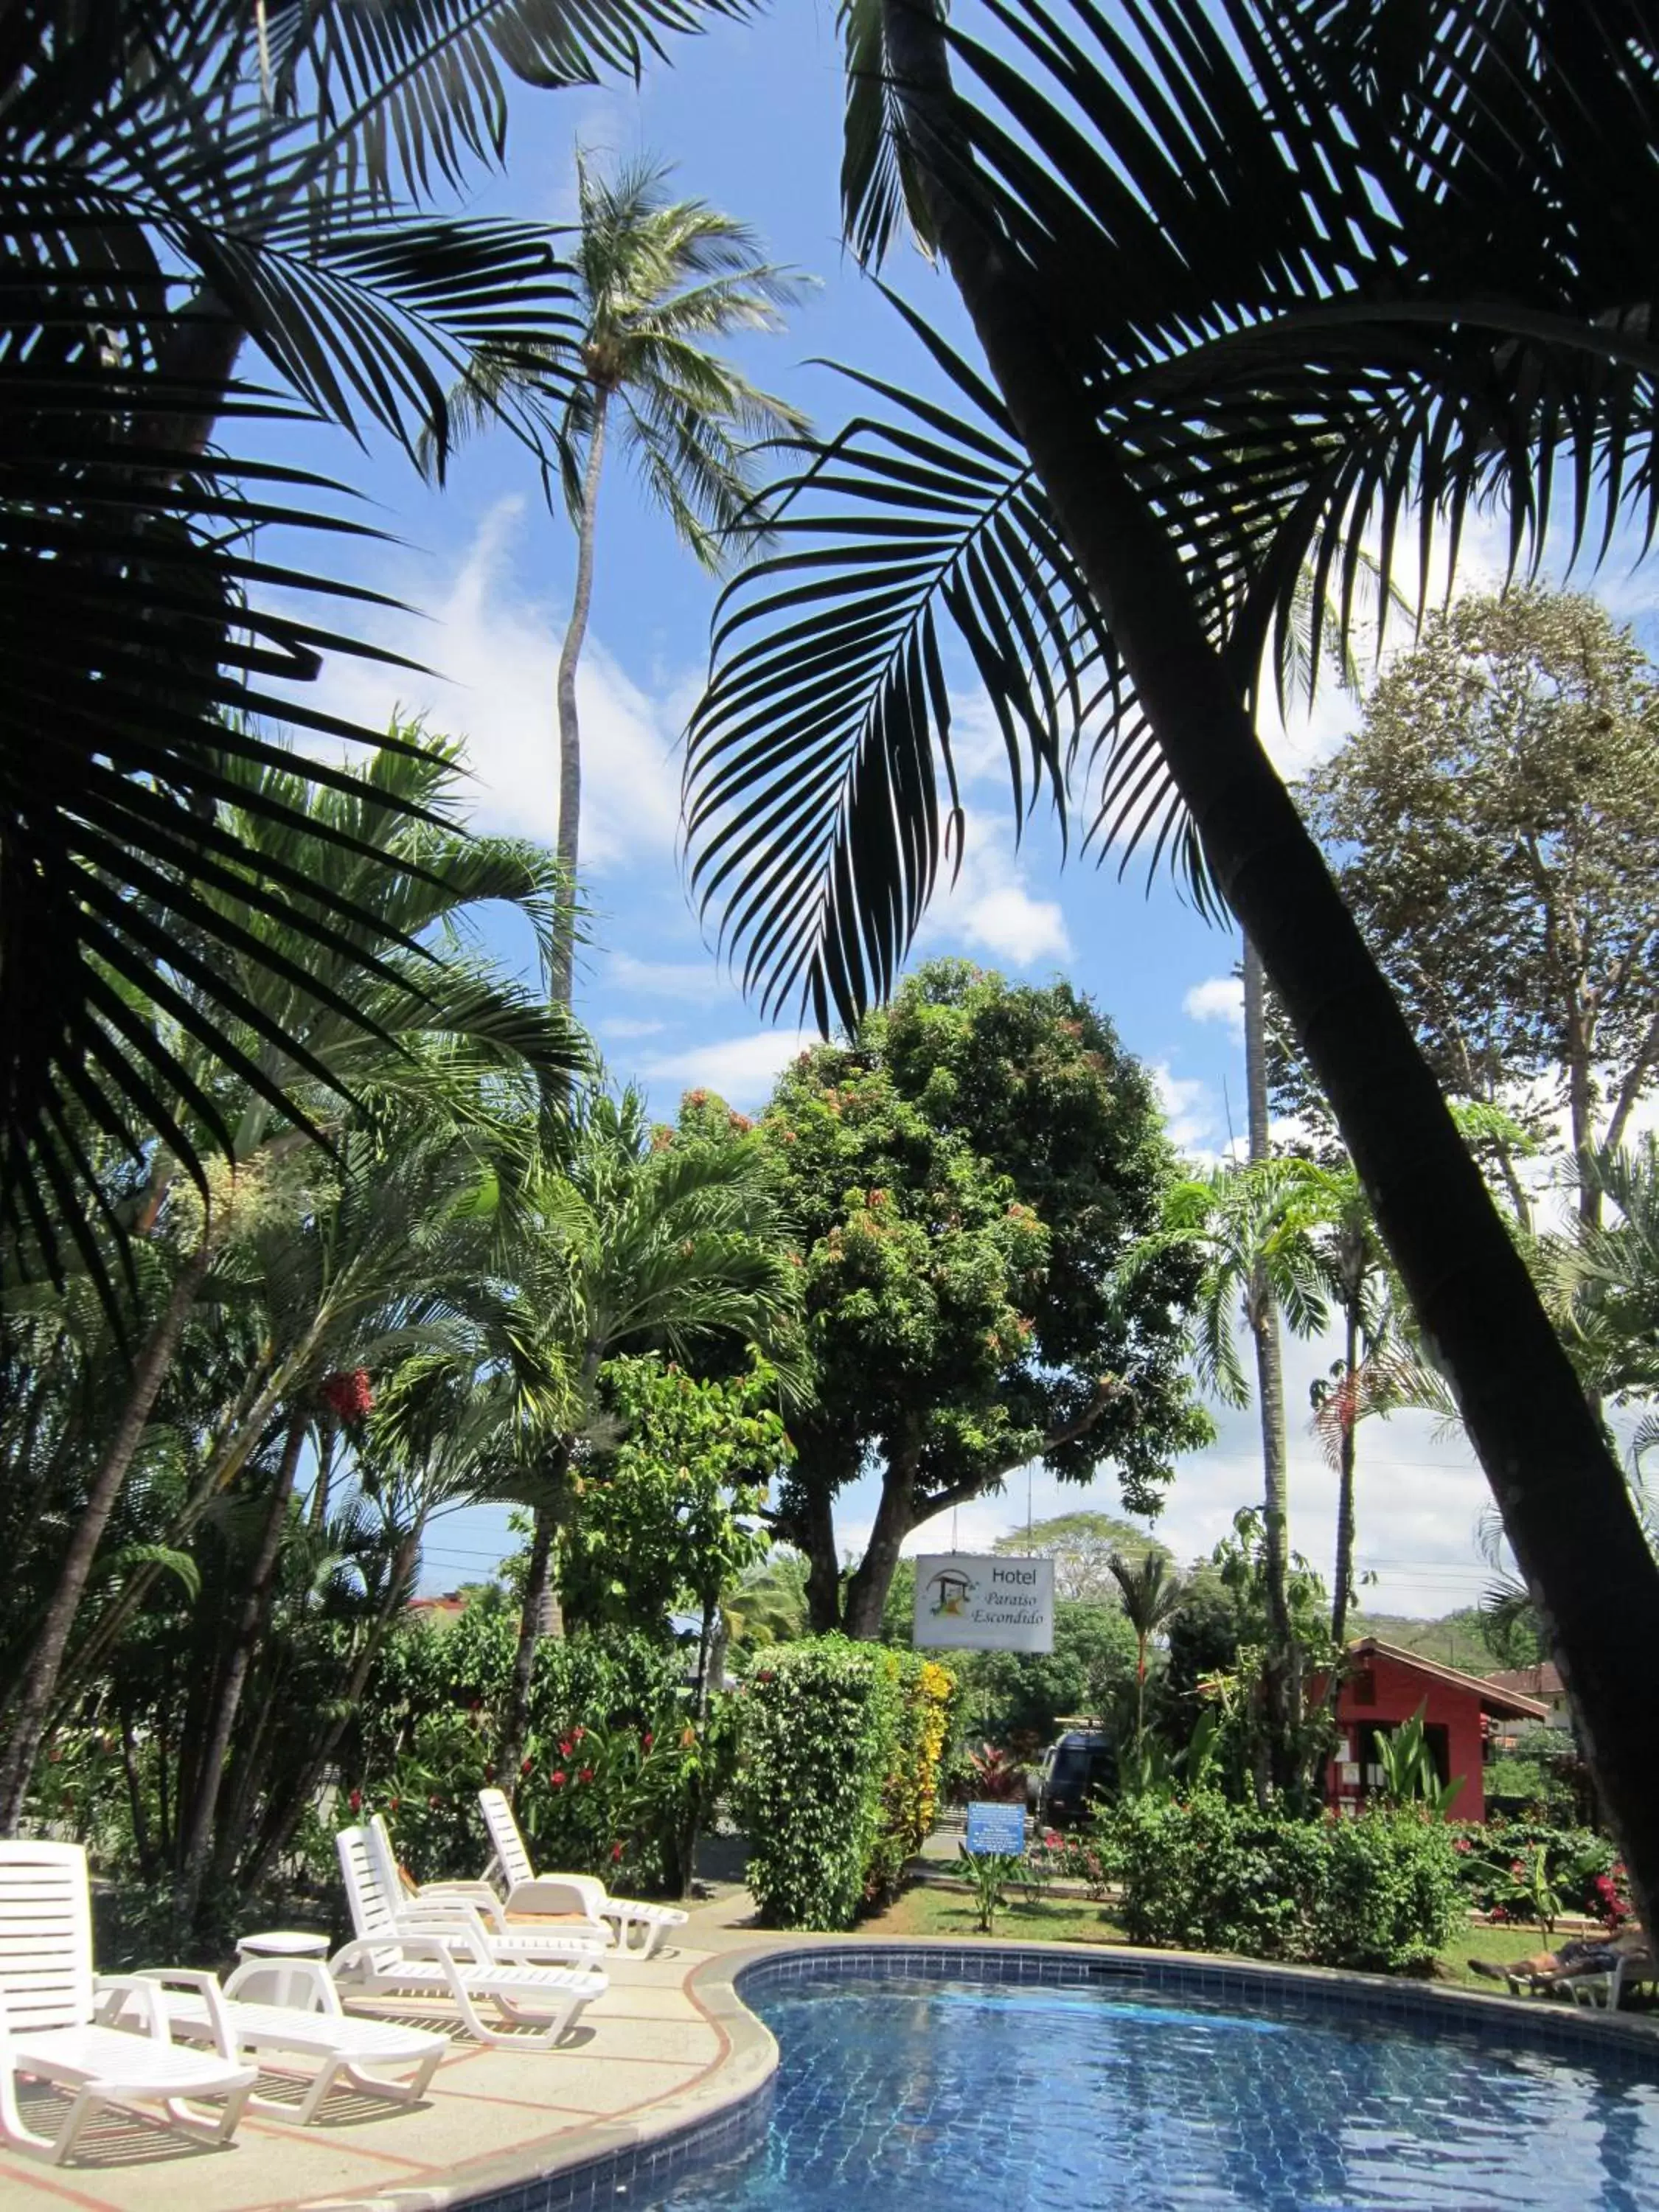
(1385, 1686)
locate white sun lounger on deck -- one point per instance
(56, 2015)
(387, 1959)
(347, 2047)
(640, 1928)
(579, 1943)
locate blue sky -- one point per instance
(750, 115)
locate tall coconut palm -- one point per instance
(637, 1244)
(1250, 280)
(658, 281)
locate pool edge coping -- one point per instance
(741, 2073)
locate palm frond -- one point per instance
(1325, 313)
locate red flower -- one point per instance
(579, 1733)
(1461, 1843)
(585, 1775)
(565, 1748)
(647, 1741)
(558, 1778)
(393, 1806)
(434, 1800)
(525, 1766)
(355, 1800)
(616, 1853)
(348, 1396)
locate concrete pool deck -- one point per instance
(649, 2057)
(672, 2046)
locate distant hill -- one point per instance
(1455, 1639)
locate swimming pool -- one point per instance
(931, 2095)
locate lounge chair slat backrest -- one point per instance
(372, 1903)
(45, 1934)
(504, 1835)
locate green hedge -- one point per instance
(1379, 1893)
(839, 1747)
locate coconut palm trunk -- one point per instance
(1282, 1685)
(1563, 1499)
(570, 741)
(1348, 1447)
(35, 1699)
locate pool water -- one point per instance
(952, 2097)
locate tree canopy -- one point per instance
(965, 1172)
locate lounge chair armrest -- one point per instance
(206, 1986)
(478, 1896)
(443, 1948)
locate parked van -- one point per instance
(1080, 1765)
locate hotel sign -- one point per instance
(968, 1604)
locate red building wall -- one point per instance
(1384, 1691)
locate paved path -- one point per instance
(649, 2053)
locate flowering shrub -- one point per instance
(839, 1747)
(1577, 1870)
(1379, 1893)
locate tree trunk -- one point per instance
(281, 1823)
(1282, 1685)
(538, 1583)
(815, 1535)
(866, 1592)
(1561, 1493)
(1342, 1596)
(210, 1774)
(570, 744)
(39, 1682)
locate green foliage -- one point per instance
(1512, 1869)
(839, 1756)
(989, 1874)
(1410, 1776)
(964, 1173)
(1018, 1698)
(1494, 826)
(1379, 1893)
(669, 1517)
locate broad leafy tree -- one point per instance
(965, 1174)
(1494, 827)
(1082, 1545)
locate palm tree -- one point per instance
(638, 1244)
(371, 1017)
(187, 184)
(1150, 1592)
(657, 281)
(1247, 287)
(1252, 1229)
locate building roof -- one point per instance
(436, 1608)
(1543, 1681)
(1495, 1697)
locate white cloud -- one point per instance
(495, 652)
(1188, 1107)
(741, 1069)
(1217, 999)
(690, 982)
(988, 907)
(620, 1025)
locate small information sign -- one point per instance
(1000, 1828)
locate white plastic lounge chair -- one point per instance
(56, 2015)
(640, 1928)
(443, 1906)
(347, 2048)
(386, 1958)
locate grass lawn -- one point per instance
(923, 1910)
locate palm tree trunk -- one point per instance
(1342, 1596)
(570, 742)
(532, 1622)
(1281, 1686)
(256, 1603)
(1561, 1493)
(39, 1683)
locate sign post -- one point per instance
(966, 1602)
(995, 1830)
